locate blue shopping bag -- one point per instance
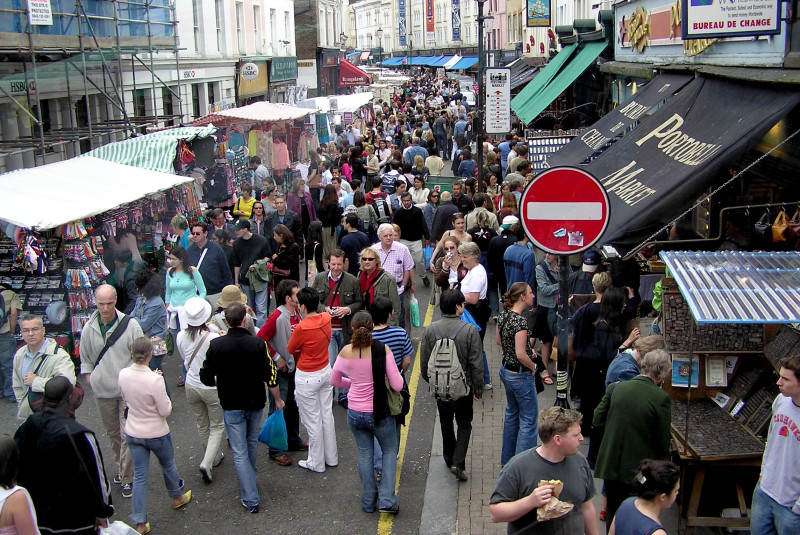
(466, 317)
(273, 432)
(427, 255)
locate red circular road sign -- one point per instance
(564, 210)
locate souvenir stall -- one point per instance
(273, 132)
(726, 323)
(62, 223)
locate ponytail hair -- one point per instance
(655, 478)
(141, 349)
(514, 294)
(362, 325)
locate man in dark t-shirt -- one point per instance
(353, 242)
(518, 493)
(248, 249)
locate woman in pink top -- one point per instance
(146, 430)
(367, 414)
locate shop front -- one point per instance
(282, 74)
(328, 65)
(252, 81)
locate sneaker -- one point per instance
(118, 479)
(304, 464)
(389, 510)
(250, 508)
(488, 386)
(219, 460)
(205, 473)
(127, 490)
(459, 473)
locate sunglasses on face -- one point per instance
(368, 259)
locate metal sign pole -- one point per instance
(562, 309)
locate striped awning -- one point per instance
(738, 286)
(155, 151)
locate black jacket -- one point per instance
(62, 468)
(291, 220)
(238, 364)
(443, 220)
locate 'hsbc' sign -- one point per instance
(191, 74)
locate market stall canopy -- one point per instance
(155, 151)
(452, 61)
(352, 76)
(442, 61)
(467, 62)
(527, 97)
(619, 121)
(58, 193)
(257, 112)
(391, 62)
(344, 103)
(738, 286)
(365, 56)
(662, 167)
(529, 108)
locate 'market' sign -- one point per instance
(730, 18)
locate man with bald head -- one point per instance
(105, 350)
(443, 220)
(61, 466)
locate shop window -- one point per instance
(257, 29)
(169, 109)
(196, 17)
(218, 16)
(240, 27)
(212, 95)
(196, 100)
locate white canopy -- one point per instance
(59, 193)
(344, 103)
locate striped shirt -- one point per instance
(398, 341)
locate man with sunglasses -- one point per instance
(211, 261)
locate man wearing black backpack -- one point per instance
(454, 382)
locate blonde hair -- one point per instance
(141, 349)
(418, 163)
(602, 282)
(371, 251)
(514, 294)
(556, 421)
(397, 230)
(646, 344)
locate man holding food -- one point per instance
(548, 489)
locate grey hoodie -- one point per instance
(105, 377)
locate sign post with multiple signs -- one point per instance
(498, 101)
(564, 210)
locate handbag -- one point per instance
(794, 223)
(275, 270)
(780, 227)
(159, 346)
(761, 233)
(394, 400)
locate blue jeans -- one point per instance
(365, 430)
(377, 458)
(487, 375)
(8, 346)
(336, 345)
(522, 410)
(243, 428)
(258, 301)
(441, 144)
(768, 517)
(140, 449)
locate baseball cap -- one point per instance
(509, 221)
(591, 261)
(242, 224)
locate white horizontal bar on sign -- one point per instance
(552, 211)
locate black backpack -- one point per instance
(381, 208)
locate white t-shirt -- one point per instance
(186, 347)
(475, 281)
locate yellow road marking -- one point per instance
(385, 521)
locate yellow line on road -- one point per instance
(385, 521)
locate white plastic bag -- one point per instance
(118, 527)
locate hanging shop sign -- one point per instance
(401, 22)
(537, 13)
(430, 30)
(283, 69)
(252, 86)
(40, 13)
(706, 18)
(249, 71)
(456, 20)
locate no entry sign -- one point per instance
(564, 210)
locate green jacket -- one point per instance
(349, 296)
(468, 348)
(386, 286)
(260, 276)
(637, 419)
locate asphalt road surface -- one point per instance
(293, 500)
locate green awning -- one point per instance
(527, 97)
(534, 105)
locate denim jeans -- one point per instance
(336, 345)
(258, 301)
(441, 144)
(290, 413)
(377, 458)
(768, 517)
(243, 428)
(522, 411)
(140, 449)
(365, 430)
(8, 346)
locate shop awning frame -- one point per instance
(527, 97)
(257, 112)
(75, 189)
(738, 286)
(352, 76)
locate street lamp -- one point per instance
(478, 123)
(379, 33)
(343, 40)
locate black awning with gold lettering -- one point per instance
(659, 169)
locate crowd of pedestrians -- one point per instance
(339, 255)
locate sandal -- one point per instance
(185, 499)
(546, 379)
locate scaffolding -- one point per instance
(88, 50)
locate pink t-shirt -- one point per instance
(359, 380)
